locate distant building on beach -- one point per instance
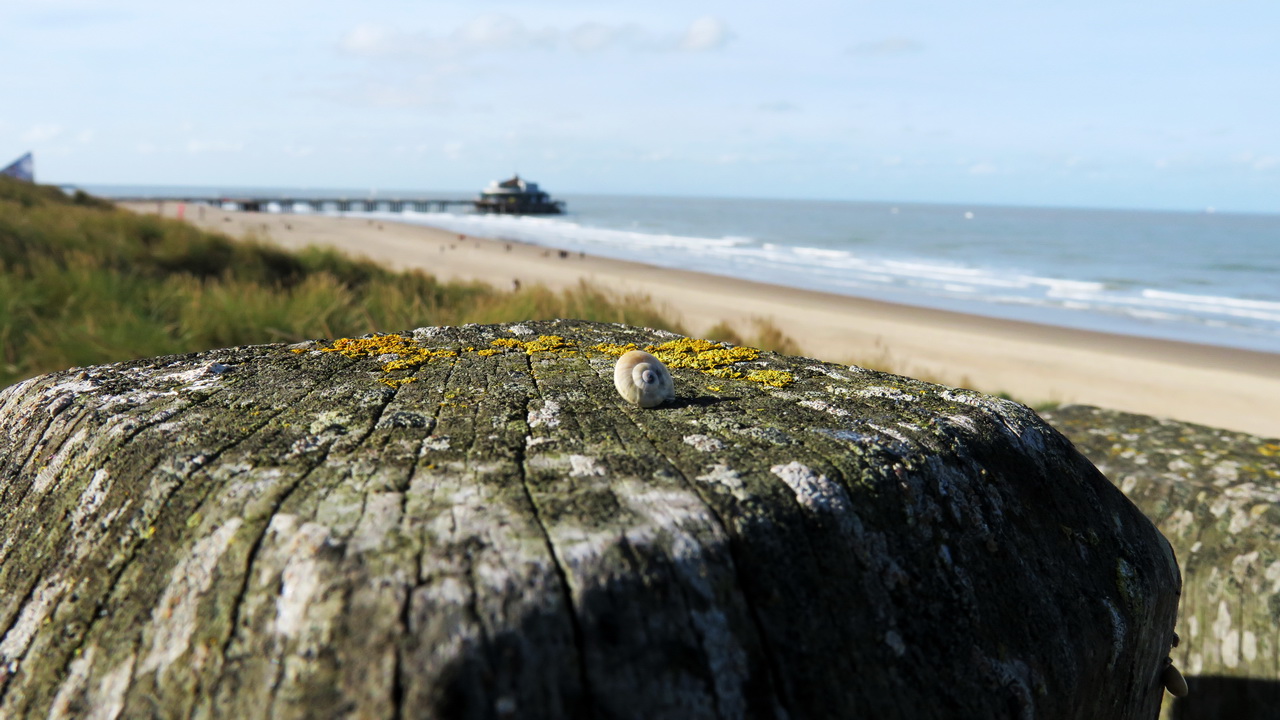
(24, 169)
(517, 197)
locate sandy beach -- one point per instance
(1221, 387)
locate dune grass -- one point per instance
(83, 283)
(763, 334)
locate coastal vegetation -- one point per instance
(84, 283)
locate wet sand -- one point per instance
(1221, 387)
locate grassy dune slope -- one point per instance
(83, 283)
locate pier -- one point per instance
(293, 204)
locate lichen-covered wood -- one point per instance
(1214, 493)
(472, 523)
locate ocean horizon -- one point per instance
(1203, 277)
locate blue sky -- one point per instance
(1102, 104)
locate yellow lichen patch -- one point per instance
(773, 378)
(701, 355)
(415, 358)
(544, 343)
(411, 354)
(615, 349)
(714, 359)
(1269, 449)
(547, 343)
(705, 356)
(372, 346)
(725, 372)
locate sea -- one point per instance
(1204, 277)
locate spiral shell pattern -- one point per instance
(642, 379)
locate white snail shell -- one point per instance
(642, 379)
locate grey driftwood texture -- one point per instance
(288, 532)
(1215, 494)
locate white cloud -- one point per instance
(594, 37)
(887, 46)
(501, 32)
(706, 33)
(367, 39)
(487, 33)
(42, 133)
(497, 33)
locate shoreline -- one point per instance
(1223, 387)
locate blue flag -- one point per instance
(24, 168)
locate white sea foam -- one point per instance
(907, 279)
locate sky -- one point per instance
(1094, 103)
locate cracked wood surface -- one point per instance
(277, 531)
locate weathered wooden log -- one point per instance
(471, 523)
(1216, 495)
